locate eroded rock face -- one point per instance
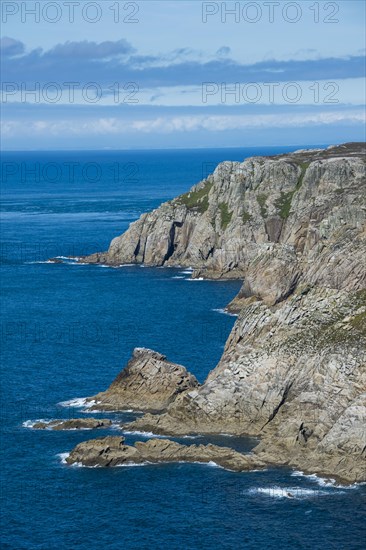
(275, 221)
(293, 374)
(111, 451)
(73, 424)
(148, 382)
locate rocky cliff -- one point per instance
(276, 221)
(294, 368)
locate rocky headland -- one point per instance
(293, 371)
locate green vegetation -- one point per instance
(283, 204)
(359, 322)
(304, 166)
(225, 215)
(262, 199)
(246, 216)
(197, 200)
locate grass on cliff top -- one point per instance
(225, 215)
(197, 200)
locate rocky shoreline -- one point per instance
(293, 372)
(112, 451)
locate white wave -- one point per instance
(287, 492)
(77, 402)
(31, 423)
(198, 279)
(125, 465)
(115, 426)
(133, 464)
(187, 271)
(325, 482)
(41, 262)
(63, 457)
(225, 312)
(144, 434)
(178, 277)
(80, 403)
(213, 464)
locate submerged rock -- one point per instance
(111, 451)
(148, 382)
(73, 424)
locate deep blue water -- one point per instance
(67, 330)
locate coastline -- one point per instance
(293, 368)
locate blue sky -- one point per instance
(161, 74)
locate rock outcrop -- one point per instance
(112, 451)
(293, 374)
(294, 367)
(148, 382)
(73, 424)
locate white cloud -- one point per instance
(175, 124)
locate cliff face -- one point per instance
(284, 218)
(294, 367)
(293, 374)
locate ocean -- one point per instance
(66, 332)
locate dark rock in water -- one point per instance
(73, 424)
(111, 451)
(148, 382)
(55, 261)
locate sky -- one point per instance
(183, 73)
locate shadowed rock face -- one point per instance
(148, 382)
(73, 424)
(111, 451)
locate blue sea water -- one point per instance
(68, 329)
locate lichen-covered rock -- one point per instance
(111, 451)
(148, 382)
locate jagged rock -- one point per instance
(293, 374)
(148, 382)
(111, 451)
(73, 424)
